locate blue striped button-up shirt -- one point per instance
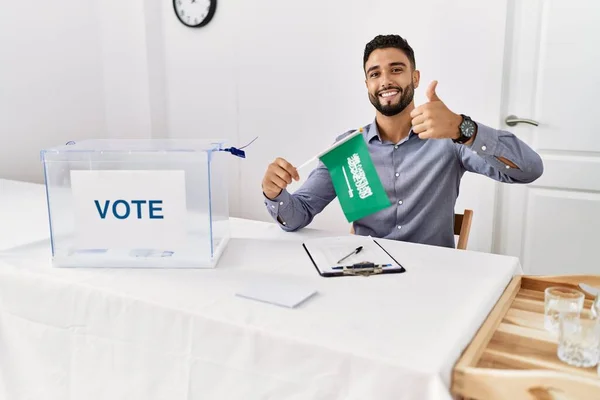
(421, 178)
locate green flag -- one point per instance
(355, 178)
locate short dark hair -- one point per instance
(385, 41)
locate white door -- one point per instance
(553, 77)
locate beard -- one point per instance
(406, 97)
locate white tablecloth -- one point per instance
(23, 213)
(88, 334)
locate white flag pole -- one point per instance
(344, 140)
(306, 163)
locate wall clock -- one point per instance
(195, 13)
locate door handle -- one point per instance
(512, 120)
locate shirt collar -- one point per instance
(373, 132)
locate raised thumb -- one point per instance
(431, 95)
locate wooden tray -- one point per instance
(512, 356)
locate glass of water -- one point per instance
(561, 302)
(579, 340)
(596, 307)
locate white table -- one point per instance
(183, 335)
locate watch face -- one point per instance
(195, 13)
(467, 128)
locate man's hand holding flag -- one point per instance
(354, 177)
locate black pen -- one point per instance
(355, 251)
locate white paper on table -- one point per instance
(281, 293)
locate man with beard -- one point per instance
(420, 154)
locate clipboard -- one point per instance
(374, 260)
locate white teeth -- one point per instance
(388, 94)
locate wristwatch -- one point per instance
(467, 129)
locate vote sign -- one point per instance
(129, 209)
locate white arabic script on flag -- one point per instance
(358, 176)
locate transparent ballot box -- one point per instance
(137, 203)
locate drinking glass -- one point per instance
(579, 340)
(561, 302)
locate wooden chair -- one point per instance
(462, 228)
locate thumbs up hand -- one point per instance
(430, 93)
(433, 120)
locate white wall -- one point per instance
(125, 67)
(72, 70)
(51, 83)
(291, 73)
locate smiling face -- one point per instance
(390, 80)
